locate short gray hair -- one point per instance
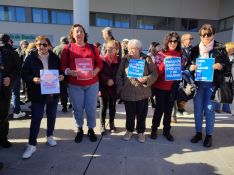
(136, 43)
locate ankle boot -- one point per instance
(197, 137)
(79, 135)
(208, 141)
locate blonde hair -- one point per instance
(229, 46)
(113, 43)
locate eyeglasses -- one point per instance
(206, 34)
(42, 44)
(173, 41)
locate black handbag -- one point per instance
(224, 94)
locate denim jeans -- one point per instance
(204, 106)
(225, 107)
(16, 95)
(84, 98)
(37, 115)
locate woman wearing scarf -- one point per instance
(107, 82)
(207, 48)
(162, 89)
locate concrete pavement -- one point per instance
(110, 155)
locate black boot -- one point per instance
(153, 134)
(208, 141)
(197, 137)
(92, 135)
(4, 129)
(168, 136)
(79, 135)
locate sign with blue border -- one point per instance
(136, 68)
(204, 70)
(173, 69)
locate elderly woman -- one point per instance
(82, 81)
(162, 89)
(40, 59)
(207, 48)
(135, 91)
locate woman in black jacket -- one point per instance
(40, 59)
(208, 48)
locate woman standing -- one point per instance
(162, 89)
(207, 48)
(40, 59)
(82, 81)
(135, 91)
(107, 81)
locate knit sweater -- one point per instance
(75, 52)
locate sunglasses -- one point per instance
(42, 44)
(173, 41)
(206, 34)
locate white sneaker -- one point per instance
(19, 115)
(51, 141)
(29, 151)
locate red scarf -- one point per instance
(109, 59)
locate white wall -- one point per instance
(200, 9)
(36, 29)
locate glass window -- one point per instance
(193, 25)
(40, 16)
(184, 24)
(160, 23)
(104, 19)
(20, 14)
(62, 17)
(229, 23)
(171, 23)
(16, 14)
(11, 14)
(2, 17)
(221, 25)
(122, 21)
(145, 22)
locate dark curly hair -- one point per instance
(72, 40)
(168, 37)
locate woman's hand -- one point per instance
(95, 71)
(110, 82)
(61, 77)
(72, 73)
(36, 80)
(6, 81)
(217, 66)
(192, 67)
(142, 80)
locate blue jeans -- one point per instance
(204, 106)
(84, 98)
(37, 115)
(225, 107)
(16, 95)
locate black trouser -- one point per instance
(163, 106)
(4, 112)
(138, 110)
(104, 102)
(64, 94)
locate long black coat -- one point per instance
(31, 69)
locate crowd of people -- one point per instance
(92, 73)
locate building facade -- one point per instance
(147, 20)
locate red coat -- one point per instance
(161, 83)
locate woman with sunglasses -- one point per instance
(40, 59)
(162, 89)
(207, 48)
